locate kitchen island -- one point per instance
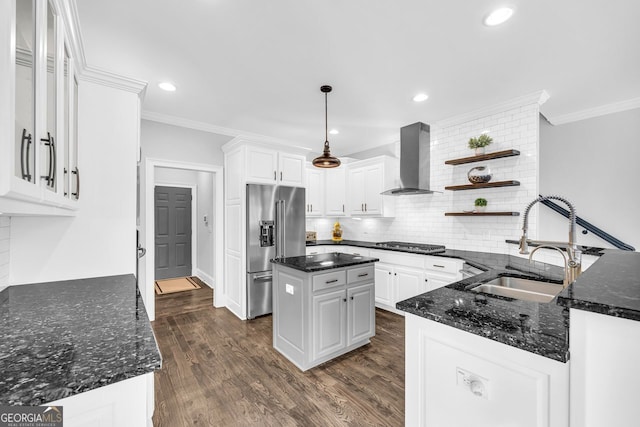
(323, 306)
(86, 345)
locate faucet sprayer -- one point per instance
(573, 266)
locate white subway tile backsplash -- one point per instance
(420, 218)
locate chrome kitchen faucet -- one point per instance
(573, 259)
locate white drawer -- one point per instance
(443, 265)
(403, 259)
(314, 250)
(329, 280)
(361, 274)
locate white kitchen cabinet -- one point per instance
(335, 192)
(604, 370)
(384, 284)
(409, 283)
(250, 161)
(315, 250)
(497, 385)
(314, 192)
(361, 323)
(366, 180)
(38, 114)
(267, 166)
(329, 321)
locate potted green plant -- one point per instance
(480, 143)
(480, 204)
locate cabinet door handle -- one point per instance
(24, 159)
(342, 208)
(49, 143)
(363, 274)
(331, 281)
(311, 207)
(426, 280)
(365, 207)
(439, 266)
(52, 169)
(389, 273)
(344, 299)
(362, 207)
(280, 176)
(351, 297)
(395, 274)
(76, 172)
(274, 175)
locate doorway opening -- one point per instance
(182, 225)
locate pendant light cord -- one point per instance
(326, 120)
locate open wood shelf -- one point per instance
(483, 157)
(511, 183)
(482, 214)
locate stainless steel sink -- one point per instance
(518, 288)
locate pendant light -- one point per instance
(326, 160)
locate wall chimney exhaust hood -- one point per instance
(415, 154)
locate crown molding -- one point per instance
(538, 97)
(190, 124)
(68, 10)
(615, 107)
(117, 81)
(239, 136)
(264, 142)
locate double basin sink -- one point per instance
(519, 288)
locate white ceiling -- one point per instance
(257, 65)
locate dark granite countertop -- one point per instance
(68, 337)
(313, 263)
(610, 286)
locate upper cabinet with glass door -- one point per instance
(38, 111)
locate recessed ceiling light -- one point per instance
(498, 16)
(334, 131)
(169, 87)
(420, 97)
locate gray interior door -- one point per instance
(173, 232)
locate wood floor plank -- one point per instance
(219, 370)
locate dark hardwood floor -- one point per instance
(218, 370)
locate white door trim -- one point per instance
(194, 218)
(218, 286)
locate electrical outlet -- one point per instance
(477, 385)
(288, 288)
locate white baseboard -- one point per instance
(208, 280)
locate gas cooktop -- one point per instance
(413, 247)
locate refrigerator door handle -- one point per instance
(280, 229)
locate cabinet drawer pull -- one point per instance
(363, 274)
(438, 265)
(331, 281)
(344, 299)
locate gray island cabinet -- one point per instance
(323, 306)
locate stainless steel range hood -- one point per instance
(415, 154)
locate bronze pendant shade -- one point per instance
(326, 160)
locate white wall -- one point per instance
(167, 142)
(594, 163)
(420, 218)
(5, 231)
(100, 239)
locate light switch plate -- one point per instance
(288, 288)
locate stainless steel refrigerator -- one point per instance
(275, 229)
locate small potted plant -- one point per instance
(480, 204)
(480, 143)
